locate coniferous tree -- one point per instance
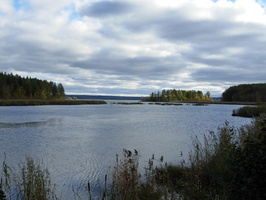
(17, 87)
(60, 91)
(246, 93)
(178, 95)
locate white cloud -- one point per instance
(6, 7)
(250, 11)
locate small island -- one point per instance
(174, 95)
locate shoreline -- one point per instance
(39, 102)
(223, 102)
(210, 102)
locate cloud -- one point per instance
(135, 46)
(105, 8)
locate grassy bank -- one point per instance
(228, 165)
(34, 102)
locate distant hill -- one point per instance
(103, 97)
(246, 93)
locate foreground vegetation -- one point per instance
(229, 164)
(32, 182)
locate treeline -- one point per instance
(17, 87)
(178, 95)
(246, 93)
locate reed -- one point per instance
(30, 181)
(229, 165)
(129, 184)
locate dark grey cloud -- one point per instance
(220, 75)
(105, 8)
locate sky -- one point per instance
(135, 47)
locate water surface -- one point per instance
(79, 143)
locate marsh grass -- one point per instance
(228, 164)
(129, 184)
(29, 181)
(250, 111)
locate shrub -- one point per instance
(248, 164)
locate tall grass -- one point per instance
(31, 181)
(129, 184)
(228, 164)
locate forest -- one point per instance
(178, 95)
(17, 87)
(255, 92)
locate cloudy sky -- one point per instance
(135, 47)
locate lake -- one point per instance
(79, 143)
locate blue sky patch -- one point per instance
(21, 4)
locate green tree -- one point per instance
(54, 90)
(60, 90)
(246, 93)
(15, 86)
(178, 95)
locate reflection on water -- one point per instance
(46, 122)
(79, 143)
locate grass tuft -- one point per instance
(30, 181)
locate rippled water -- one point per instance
(79, 143)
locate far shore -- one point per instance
(224, 102)
(212, 102)
(38, 102)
